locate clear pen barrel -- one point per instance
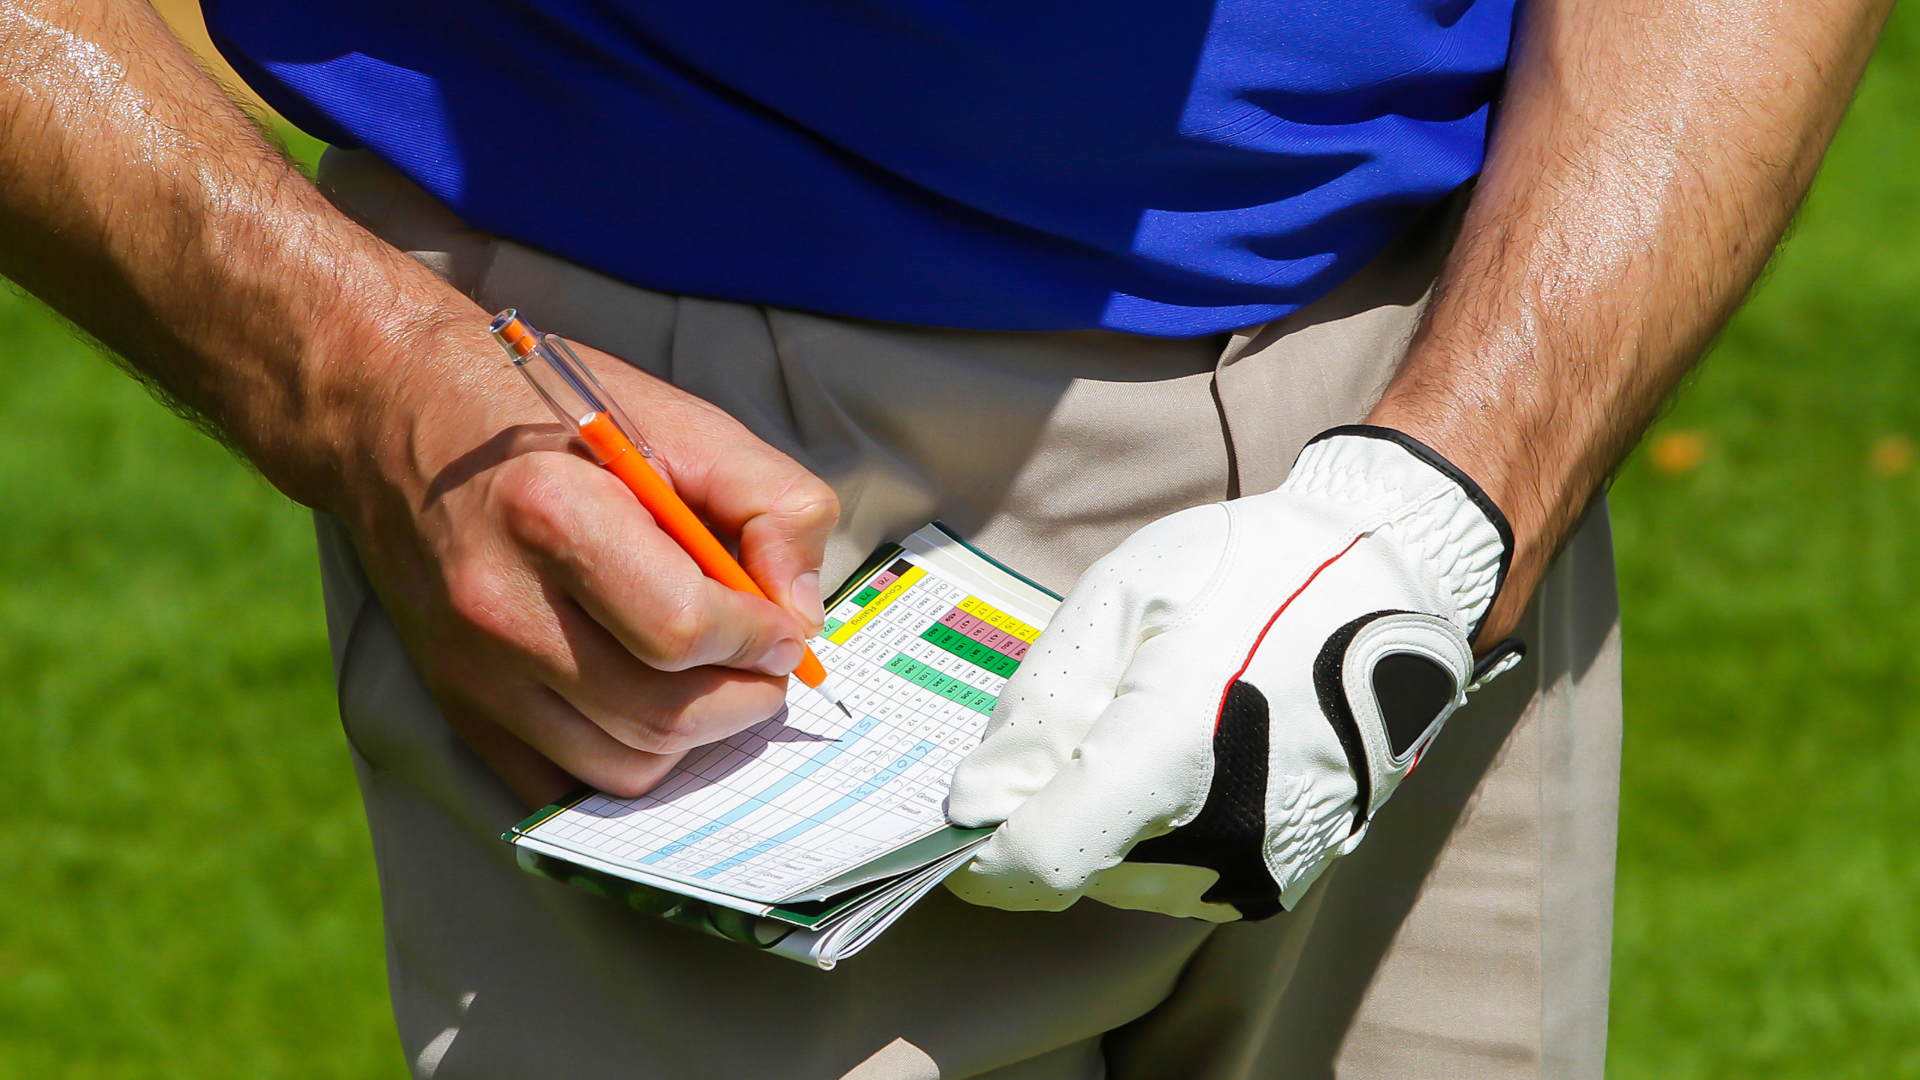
(561, 379)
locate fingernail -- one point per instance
(781, 659)
(805, 594)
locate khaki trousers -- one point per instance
(1468, 937)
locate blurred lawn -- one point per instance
(188, 888)
(189, 892)
(1769, 899)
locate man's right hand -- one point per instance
(554, 622)
(561, 632)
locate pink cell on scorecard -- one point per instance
(1017, 650)
(953, 617)
(996, 640)
(882, 580)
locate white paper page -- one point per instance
(805, 797)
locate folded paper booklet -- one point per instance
(808, 834)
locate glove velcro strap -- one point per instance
(1387, 681)
(1383, 478)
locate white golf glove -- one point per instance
(1221, 704)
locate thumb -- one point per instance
(1074, 670)
(782, 546)
(741, 487)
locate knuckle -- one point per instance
(711, 708)
(805, 502)
(539, 509)
(620, 787)
(677, 633)
(676, 732)
(664, 733)
(671, 731)
(482, 599)
(630, 777)
(810, 503)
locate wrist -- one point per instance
(1527, 483)
(1436, 512)
(364, 380)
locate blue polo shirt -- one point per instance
(1164, 167)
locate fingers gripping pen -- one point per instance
(580, 402)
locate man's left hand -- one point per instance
(1220, 705)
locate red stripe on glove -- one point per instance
(1248, 662)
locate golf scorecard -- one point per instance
(809, 833)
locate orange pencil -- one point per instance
(580, 402)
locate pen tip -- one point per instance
(844, 709)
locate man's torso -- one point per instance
(1166, 168)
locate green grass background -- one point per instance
(1768, 919)
(185, 883)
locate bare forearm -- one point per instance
(144, 206)
(546, 611)
(1646, 159)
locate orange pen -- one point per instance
(580, 402)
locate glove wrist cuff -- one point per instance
(1440, 514)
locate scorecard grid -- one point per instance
(806, 796)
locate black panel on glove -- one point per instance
(1225, 837)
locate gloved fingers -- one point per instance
(1167, 888)
(1144, 766)
(1069, 677)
